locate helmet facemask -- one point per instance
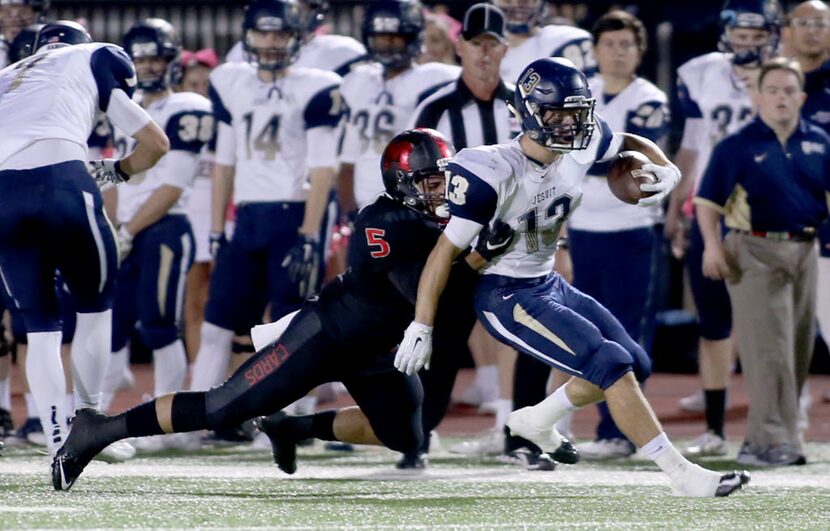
(268, 56)
(428, 193)
(563, 129)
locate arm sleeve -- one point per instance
(720, 178)
(112, 70)
(179, 168)
(189, 130)
(325, 108)
(125, 114)
(461, 232)
(225, 145)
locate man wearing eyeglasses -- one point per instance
(808, 40)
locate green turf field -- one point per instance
(242, 489)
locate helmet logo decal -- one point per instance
(385, 25)
(144, 49)
(529, 81)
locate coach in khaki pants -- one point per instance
(769, 181)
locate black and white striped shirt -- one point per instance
(466, 121)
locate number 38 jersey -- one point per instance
(379, 109)
(187, 121)
(501, 182)
(279, 129)
(709, 90)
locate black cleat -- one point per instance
(566, 453)
(731, 482)
(283, 445)
(79, 449)
(413, 461)
(529, 459)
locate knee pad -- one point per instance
(641, 365)
(607, 364)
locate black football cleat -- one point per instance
(566, 453)
(283, 444)
(731, 482)
(413, 461)
(80, 448)
(529, 459)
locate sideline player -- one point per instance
(533, 183)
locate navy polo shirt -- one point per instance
(817, 110)
(760, 185)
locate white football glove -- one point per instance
(415, 349)
(107, 173)
(667, 178)
(125, 242)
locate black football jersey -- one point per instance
(372, 302)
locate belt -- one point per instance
(781, 236)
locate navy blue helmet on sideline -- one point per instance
(63, 32)
(272, 16)
(24, 44)
(394, 17)
(315, 13)
(408, 160)
(554, 104)
(754, 14)
(155, 37)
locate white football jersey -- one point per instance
(554, 40)
(187, 120)
(708, 89)
(272, 128)
(4, 53)
(57, 94)
(641, 108)
(501, 182)
(379, 109)
(334, 53)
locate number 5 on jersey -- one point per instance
(374, 238)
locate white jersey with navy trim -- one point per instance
(554, 40)
(379, 109)
(641, 108)
(501, 182)
(4, 53)
(57, 94)
(187, 121)
(333, 53)
(708, 89)
(272, 125)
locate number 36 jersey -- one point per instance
(187, 121)
(501, 182)
(272, 133)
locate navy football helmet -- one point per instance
(755, 14)
(24, 44)
(269, 16)
(155, 37)
(554, 104)
(315, 13)
(61, 33)
(521, 16)
(413, 165)
(394, 17)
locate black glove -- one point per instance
(303, 264)
(216, 240)
(494, 240)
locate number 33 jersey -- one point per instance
(187, 121)
(501, 182)
(274, 132)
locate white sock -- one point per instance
(90, 356)
(44, 370)
(169, 368)
(118, 362)
(69, 404)
(665, 455)
(5, 394)
(563, 425)
(487, 380)
(211, 364)
(31, 405)
(550, 410)
(307, 405)
(504, 407)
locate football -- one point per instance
(626, 176)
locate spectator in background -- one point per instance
(14, 16)
(440, 34)
(808, 40)
(769, 182)
(609, 238)
(196, 67)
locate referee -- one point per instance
(473, 111)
